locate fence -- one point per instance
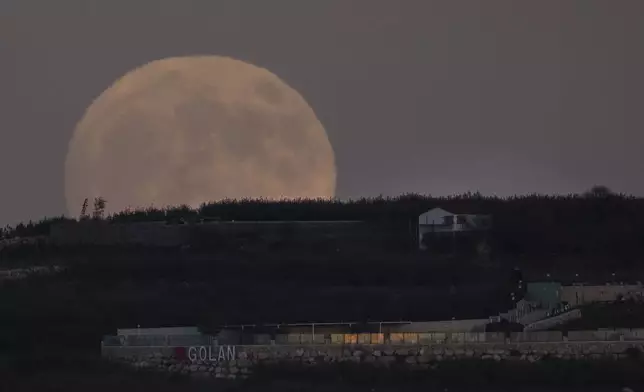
(402, 338)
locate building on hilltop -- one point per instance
(437, 222)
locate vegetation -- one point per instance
(614, 315)
(595, 224)
(98, 294)
(106, 288)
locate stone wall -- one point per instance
(239, 361)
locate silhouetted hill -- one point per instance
(593, 225)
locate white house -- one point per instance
(438, 220)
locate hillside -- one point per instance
(615, 315)
(100, 288)
(605, 226)
(105, 290)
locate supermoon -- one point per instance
(188, 130)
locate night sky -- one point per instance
(441, 97)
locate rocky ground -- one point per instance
(414, 358)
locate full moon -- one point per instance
(188, 130)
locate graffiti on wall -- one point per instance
(209, 354)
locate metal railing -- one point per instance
(406, 338)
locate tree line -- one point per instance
(597, 223)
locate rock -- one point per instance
(389, 359)
(234, 370)
(411, 360)
(357, 353)
(244, 363)
(263, 356)
(377, 353)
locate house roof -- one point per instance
(457, 211)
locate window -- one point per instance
(448, 220)
(461, 220)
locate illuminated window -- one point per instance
(396, 338)
(337, 338)
(351, 338)
(411, 338)
(377, 338)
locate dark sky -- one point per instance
(440, 97)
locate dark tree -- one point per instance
(99, 208)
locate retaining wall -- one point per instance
(239, 361)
